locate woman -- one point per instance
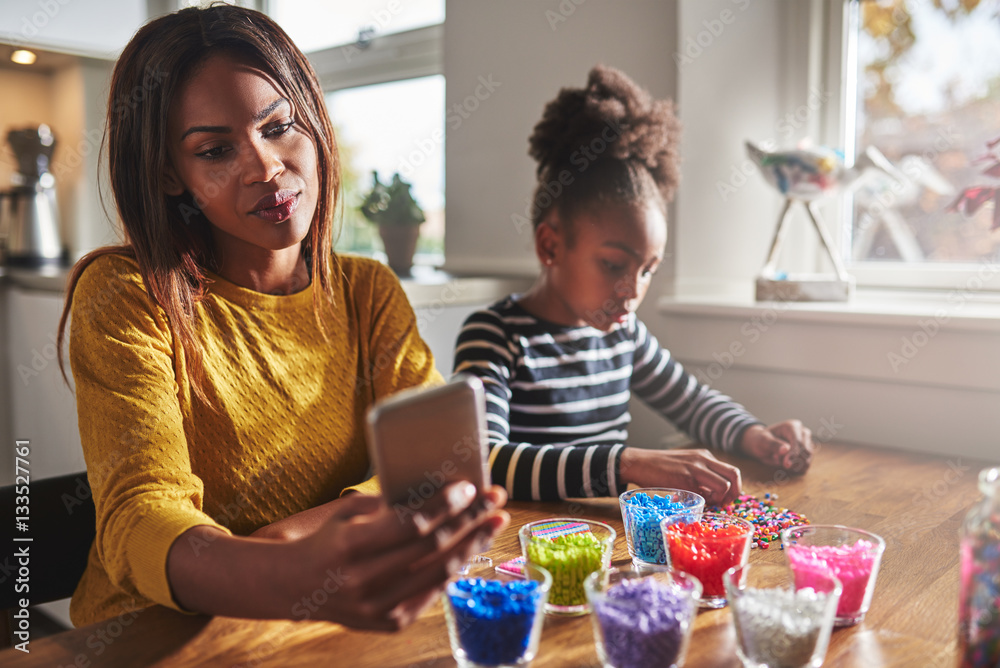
(224, 357)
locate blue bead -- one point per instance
(494, 619)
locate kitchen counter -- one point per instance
(49, 279)
(428, 287)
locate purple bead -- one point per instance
(643, 623)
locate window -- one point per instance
(927, 90)
(389, 128)
(380, 62)
(319, 24)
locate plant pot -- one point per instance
(400, 242)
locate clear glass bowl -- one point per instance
(779, 622)
(643, 510)
(707, 552)
(851, 555)
(495, 621)
(642, 618)
(569, 554)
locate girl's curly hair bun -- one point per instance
(611, 118)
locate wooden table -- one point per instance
(915, 502)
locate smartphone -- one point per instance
(422, 439)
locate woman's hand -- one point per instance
(386, 566)
(365, 565)
(301, 524)
(787, 445)
(694, 470)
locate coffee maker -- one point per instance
(28, 213)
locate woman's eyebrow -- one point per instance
(269, 109)
(222, 129)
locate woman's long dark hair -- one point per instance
(168, 236)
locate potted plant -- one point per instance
(398, 217)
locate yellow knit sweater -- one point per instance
(287, 434)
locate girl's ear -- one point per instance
(548, 241)
(172, 185)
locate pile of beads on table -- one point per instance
(643, 623)
(706, 549)
(641, 515)
(569, 558)
(767, 519)
(851, 564)
(779, 627)
(494, 620)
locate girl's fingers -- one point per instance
(715, 487)
(798, 458)
(731, 475)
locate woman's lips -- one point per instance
(277, 207)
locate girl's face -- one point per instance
(236, 147)
(604, 275)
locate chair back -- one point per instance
(61, 525)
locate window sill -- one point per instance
(430, 287)
(965, 310)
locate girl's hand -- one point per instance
(384, 564)
(694, 470)
(787, 445)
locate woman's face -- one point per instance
(235, 145)
(604, 274)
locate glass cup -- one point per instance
(642, 618)
(706, 546)
(850, 555)
(781, 623)
(570, 555)
(493, 620)
(643, 510)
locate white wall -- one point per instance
(531, 50)
(740, 72)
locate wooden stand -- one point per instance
(803, 287)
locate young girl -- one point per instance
(224, 357)
(561, 361)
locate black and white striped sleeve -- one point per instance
(528, 471)
(706, 415)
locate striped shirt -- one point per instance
(557, 399)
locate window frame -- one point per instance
(838, 25)
(386, 58)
